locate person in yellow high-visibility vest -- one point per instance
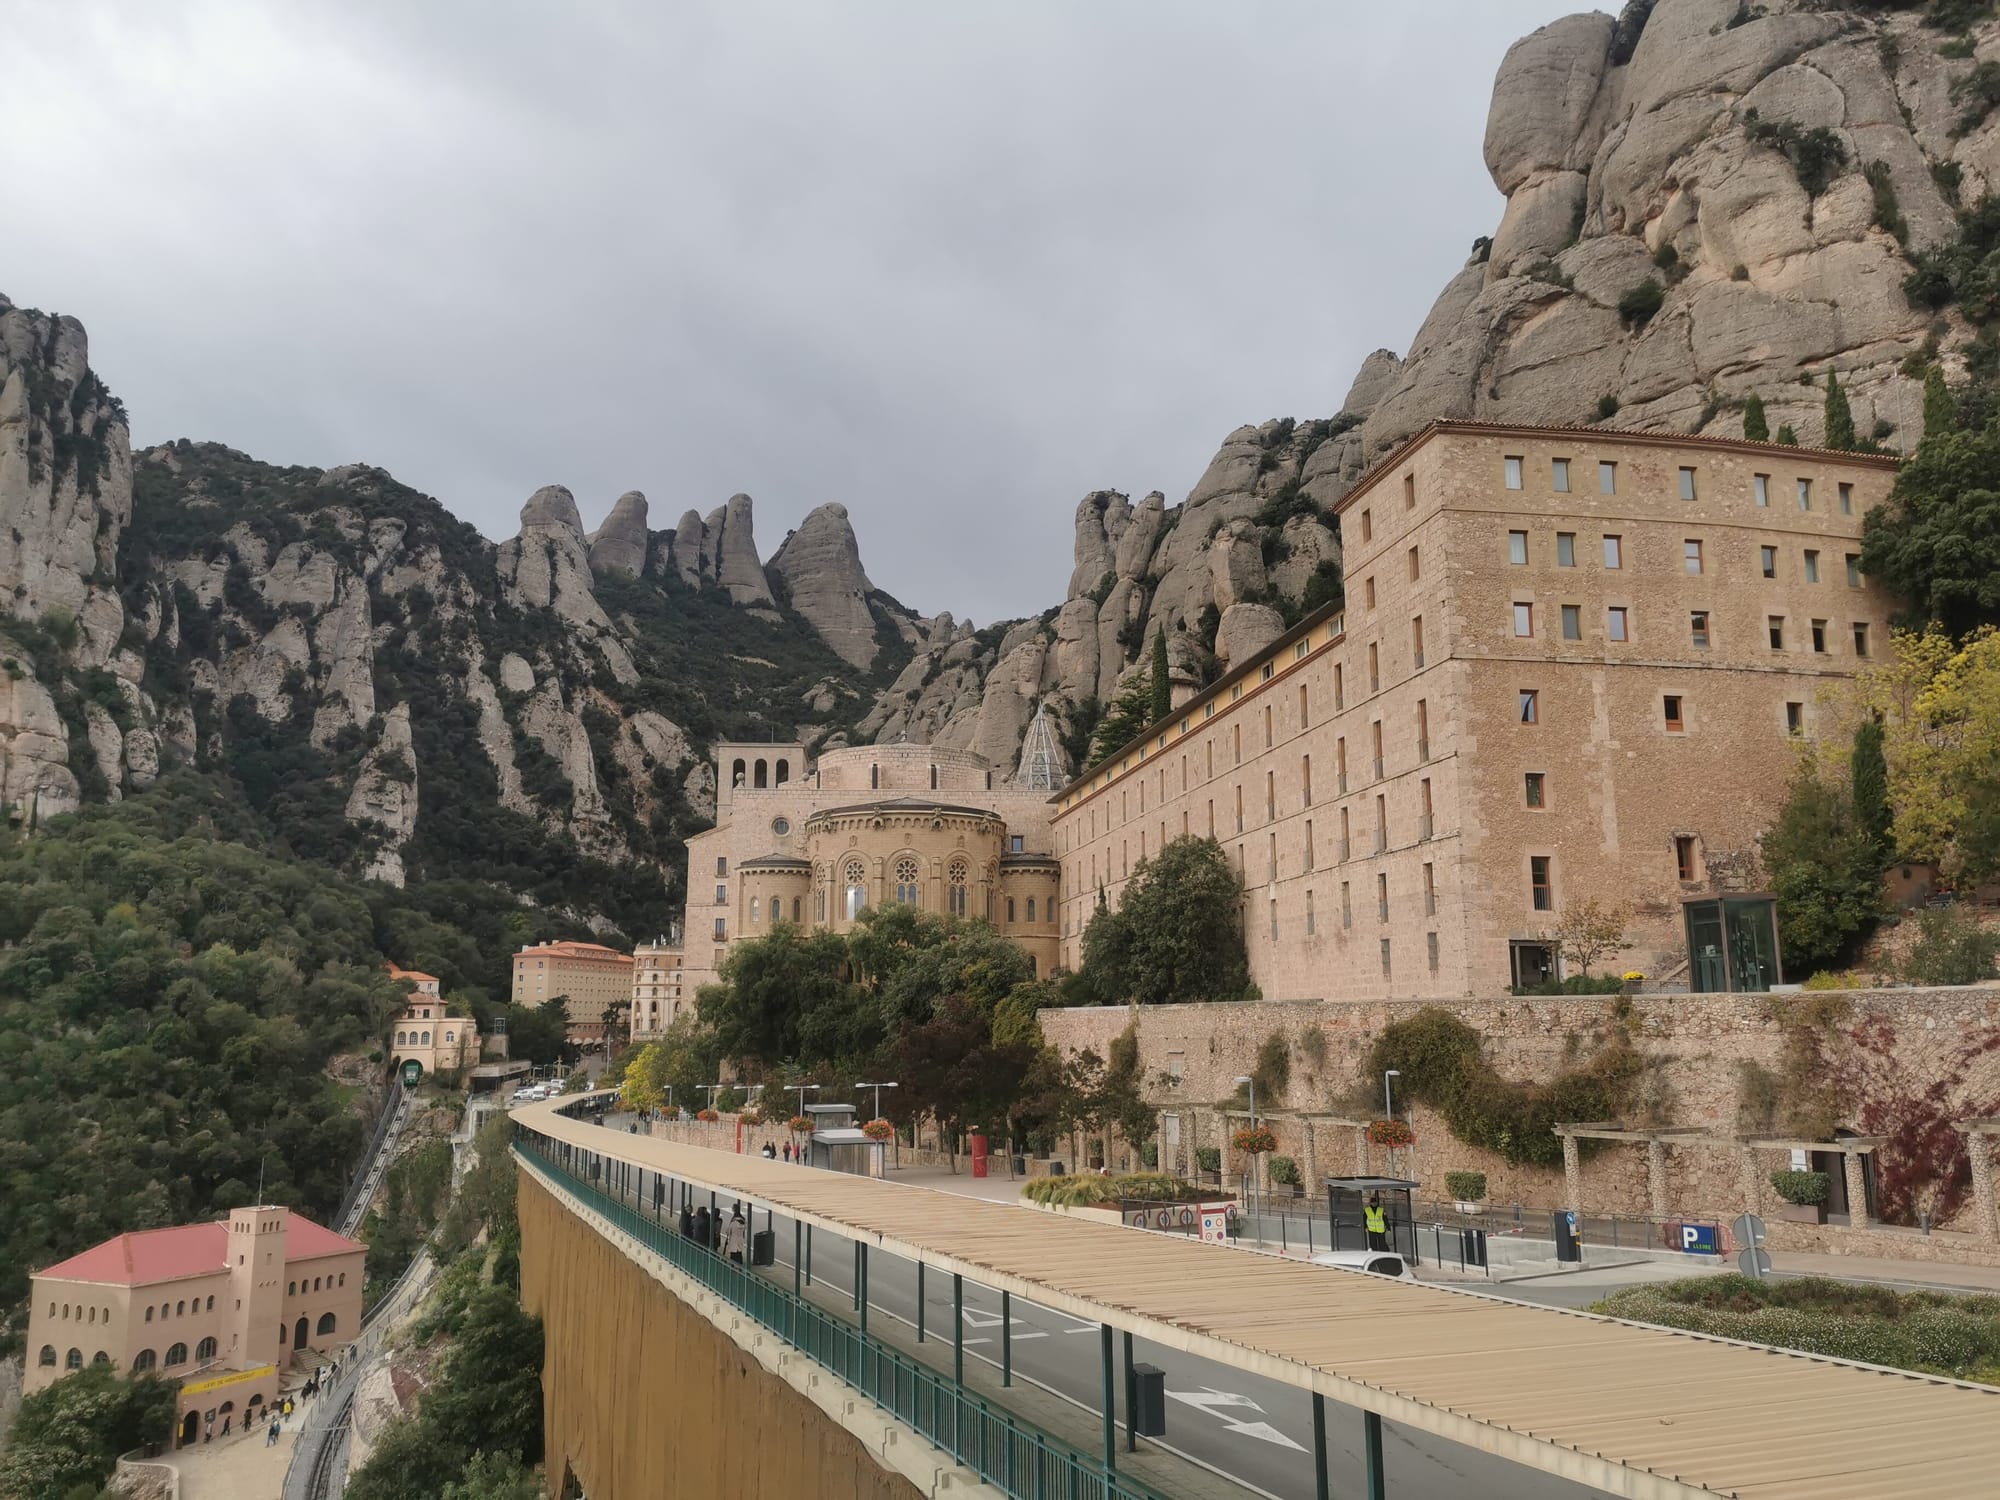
(1378, 1223)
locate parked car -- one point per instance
(1375, 1262)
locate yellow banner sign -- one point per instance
(234, 1377)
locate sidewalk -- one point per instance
(1909, 1273)
(238, 1467)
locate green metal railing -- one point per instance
(1016, 1458)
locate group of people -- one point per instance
(791, 1153)
(734, 1239)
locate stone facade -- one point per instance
(657, 995)
(1919, 1069)
(1533, 694)
(591, 978)
(816, 842)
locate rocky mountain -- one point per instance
(1706, 199)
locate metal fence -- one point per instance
(1018, 1459)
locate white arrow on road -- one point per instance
(1216, 1403)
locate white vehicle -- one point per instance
(1375, 1262)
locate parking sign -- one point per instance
(1701, 1239)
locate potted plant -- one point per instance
(1804, 1195)
(878, 1130)
(1254, 1140)
(1208, 1160)
(708, 1116)
(1468, 1190)
(1285, 1173)
(1629, 982)
(800, 1124)
(1391, 1133)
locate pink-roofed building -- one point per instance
(426, 1033)
(222, 1306)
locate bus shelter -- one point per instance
(1348, 1200)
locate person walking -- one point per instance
(770, 1152)
(735, 1235)
(1378, 1223)
(271, 1437)
(703, 1230)
(788, 1152)
(687, 1222)
(225, 1423)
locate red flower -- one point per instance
(1391, 1133)
(878, 1130)
(1254, 1140)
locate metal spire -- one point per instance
(1042, 767)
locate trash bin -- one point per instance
(1056, 1169)
(1020, 1166)
(1149, 1401)
(1475, 1247)
(763, 1248)
(1568, 1251)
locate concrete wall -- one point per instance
(1904, 1063)
(645, 1395)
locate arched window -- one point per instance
(47, 1356)
(149, 1314)
(144, 1360)
(180, 1309)
(763, 773)
(65, 1312)
(955, 890)
(857, 888)
(205, 1350)
(177, 1355)
(100, 1358)
(1031, 908)
(73, 1360)
(343, 1278)
(736, 774)
(92, 1317)
(819, 903)
(906, 881)
(797, 907)
(427, 1039)
(450, 1036)
(1010, 908)
(753, 910)
(281, 1333)
(211, 1304)
(784, 773)
(315, 1283)
(291, 1289)
(325, 1323)
(933, 778)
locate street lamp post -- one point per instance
(1250, 1177)
(802, 1089)
(877, 1087)
(1388, 1109)
(712, 1090)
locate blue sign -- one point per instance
(1701, 1239)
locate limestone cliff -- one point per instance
(820, 564)
(1705, 200)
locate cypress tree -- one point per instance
(1163, 693)
(1940, 411)
(1786, 436)
(1755, 428)
(1868, 772)
(1839, 416)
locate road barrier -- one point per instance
(1018, 1459)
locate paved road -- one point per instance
(1257, 1431)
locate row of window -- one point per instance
(1618, 626)
(421, 1039)
(1513, 475)
(145, 1359)
(1694, 560)
(293, 1288)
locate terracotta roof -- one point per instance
(397, 971)
(905, 805)
(596, 951)
(148, 1255)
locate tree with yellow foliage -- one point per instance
(1940, 707)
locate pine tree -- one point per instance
(1868, 773)
(1839, 416)
(1940, 410)
(1755, 428)
(1163, 692)
(1788, 437)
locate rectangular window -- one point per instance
(1763, 486)
(1819, 637)
(1302, 725)
(1310, 929)
(1698, 627)
(722, 895)
(1565, 549)
(1860, 639)
(1430, 890)
(1416, 569)
(1684, 856)
(1306, 781)
(1540, 886)
(1381, 898)
(1431, 943)
(1409, 492)
(1368, 590)
(1614, 552)
(1572, 622)
(1559, 475)
(1374, 668)
(1274, 919)
(1524, 619)
(1513, 473)
(1537, 789)
(1805, 494)
(1339, 687)
(1385, 958)
(1517, 547)
(1691, 556)
(1812, 566)
(1531, 707)
(1607, 478)
(1671, 707)
(721, 930)
(1346, 905)
(1309, 846)
(1687, 483)
(1615, 623)
(1776, 625)
(721, 866)
(1367, 524)
(1847, 499)
(1767, 561)
(1854, 570)
(1795, 719)
(1417, 640)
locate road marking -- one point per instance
(1217, 1403)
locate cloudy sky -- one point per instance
(952, 264)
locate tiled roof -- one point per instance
(596, 951)
(397, 971)
(149, 1255)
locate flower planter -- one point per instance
(1470, 1210)
(1802, 1213)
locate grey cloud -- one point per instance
(952, 266)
